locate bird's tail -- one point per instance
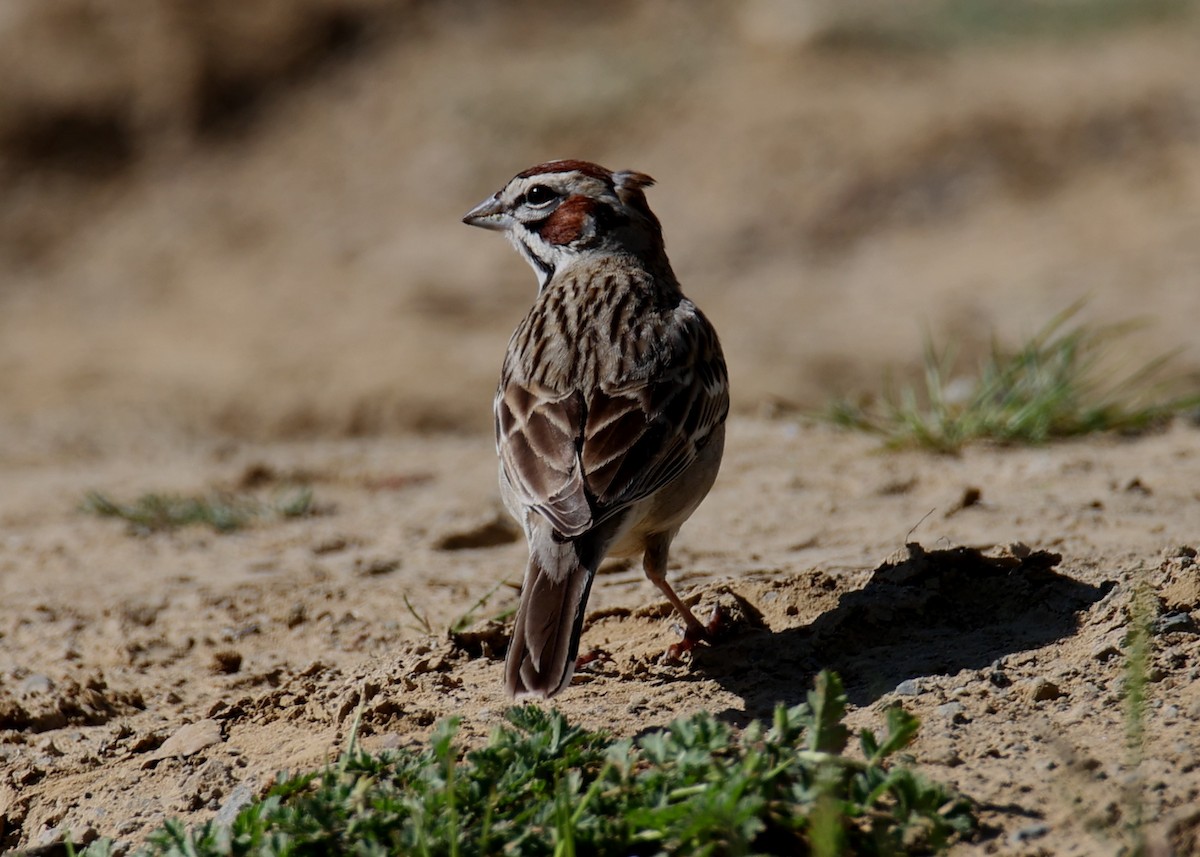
(545, 638)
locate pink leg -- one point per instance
(654, 563)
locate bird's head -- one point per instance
(561, 211)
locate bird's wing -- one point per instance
(580, 457)
(537, 435)
(644, 431)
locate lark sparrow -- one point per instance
(610, 414)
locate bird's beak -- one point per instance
(489, 214)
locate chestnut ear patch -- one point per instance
(568, 222)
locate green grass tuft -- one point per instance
(942, 24)
(541, 786)
(1050, 388)
(222, 511)
(468, 618)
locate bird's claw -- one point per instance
(696, 634)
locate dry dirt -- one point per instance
(294, 302)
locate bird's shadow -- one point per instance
(932, 613)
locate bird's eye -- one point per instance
(540, 195)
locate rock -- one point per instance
(1175, 622)
(241, 795)
(146, 742)
(376, 566)
(296, 615)
(37, 684)
(1029, 833)
(49, 748)
(909, 687)
(947, 756)
(190, 740)
(227, 661)
(950, 710)
(999, 678)
(52, 841)
(1043, 690)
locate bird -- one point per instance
(610, 411)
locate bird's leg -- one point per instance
(654, 563)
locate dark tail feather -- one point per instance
(545, 639)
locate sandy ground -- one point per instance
(296, 303)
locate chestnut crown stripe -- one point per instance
(586, 168)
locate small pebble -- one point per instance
(190, 739)
(375, 567)
(908, 687)
(999, 679)
(296, 615)
(1029, 832)
(951, 711)
(948, 757)
(1043, 690)
(49, 748)
(37, 684)
(227, 661)
(1175, 622)
(241, 795)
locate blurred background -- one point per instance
(240, 218)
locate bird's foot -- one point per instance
(587, 659)
(696, 634)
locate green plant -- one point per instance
(942, 24)
(1049, 388)
(541, 786)
(468, 617)
(421, 619)
(222, 511)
